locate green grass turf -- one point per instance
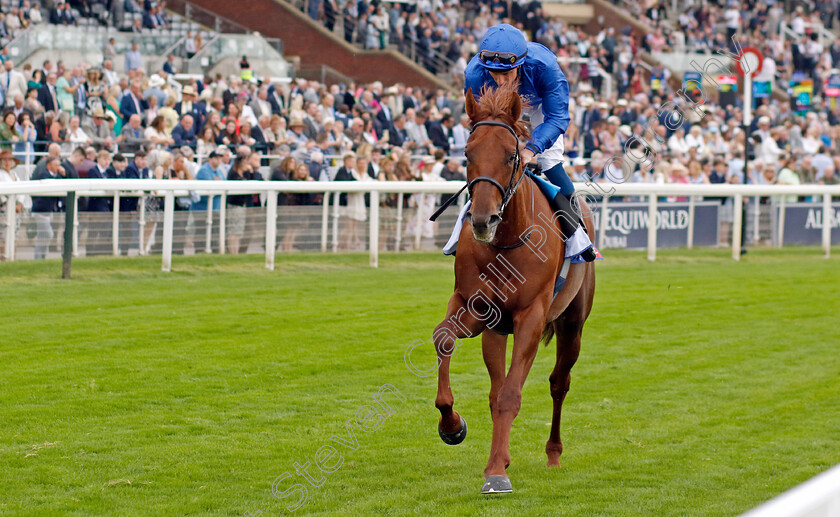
(704, 387)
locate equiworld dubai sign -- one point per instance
(627, 224)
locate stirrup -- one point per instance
(579, 246)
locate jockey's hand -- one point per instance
(527, 156)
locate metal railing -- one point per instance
(824, 36)
(197, 14)
(331, 191)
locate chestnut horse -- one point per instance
(509, 255)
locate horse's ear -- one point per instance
(516, 107)
(471, 105)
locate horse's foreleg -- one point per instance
(568, 334)
(447, 338)
(528, 326)
(494, 347)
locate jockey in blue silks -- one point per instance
(505, 57)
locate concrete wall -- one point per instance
(315, 45)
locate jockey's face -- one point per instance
(504, 77)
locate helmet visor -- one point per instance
(491, 58)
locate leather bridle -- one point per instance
(513, 184)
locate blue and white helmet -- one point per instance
(502, 48)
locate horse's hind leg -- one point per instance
(568, 332)
(459, 323)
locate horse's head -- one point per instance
(492, 153)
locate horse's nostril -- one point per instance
(494, 220)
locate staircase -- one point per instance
(313, 44)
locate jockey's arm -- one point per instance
(553, 89)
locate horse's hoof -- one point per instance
(454, 438)
(497, 485)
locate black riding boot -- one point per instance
(569, 220)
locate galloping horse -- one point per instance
(508, 260)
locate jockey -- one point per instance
(505, 57)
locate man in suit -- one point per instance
(47, 94)
(132, 135)
(398, 135)
(149, 20)
(184, 133)
(132, 102)
(136, 170)
(311, 125)
(43, 207)
(99, 231)
(13, 83)
(277, 99)
(129, 225)
(345, 173)
(260, 104)
(97, 129)
(72, 162)
(189, 106)
(384, 116)
(409, 101)
(118, 165)
(439, 132)
(258, 133)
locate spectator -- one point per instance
(44, 206)
(99, 234)
(75, 134)
(190, 105)
(184, 133)
(48, 95)
(97, 129)
(28, 135)
(8, 131)
(133, 59)
(238, 203)
(132, 135)
(13, 83)
(441, 132)
(132, 102)
(118, 164)
(156, 133)
(72, 162)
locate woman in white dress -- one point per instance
(355, 211)
(7, 163)
(76, 135)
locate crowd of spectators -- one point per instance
(133, 125)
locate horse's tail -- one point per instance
(547, 333)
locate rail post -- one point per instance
(168, 223)
(737, 224)
(826, 225)
(69, 219)
(651, 241)
(270, 229)
(373, 233)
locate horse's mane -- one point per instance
(495, 103)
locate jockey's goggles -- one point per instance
(489, 57)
